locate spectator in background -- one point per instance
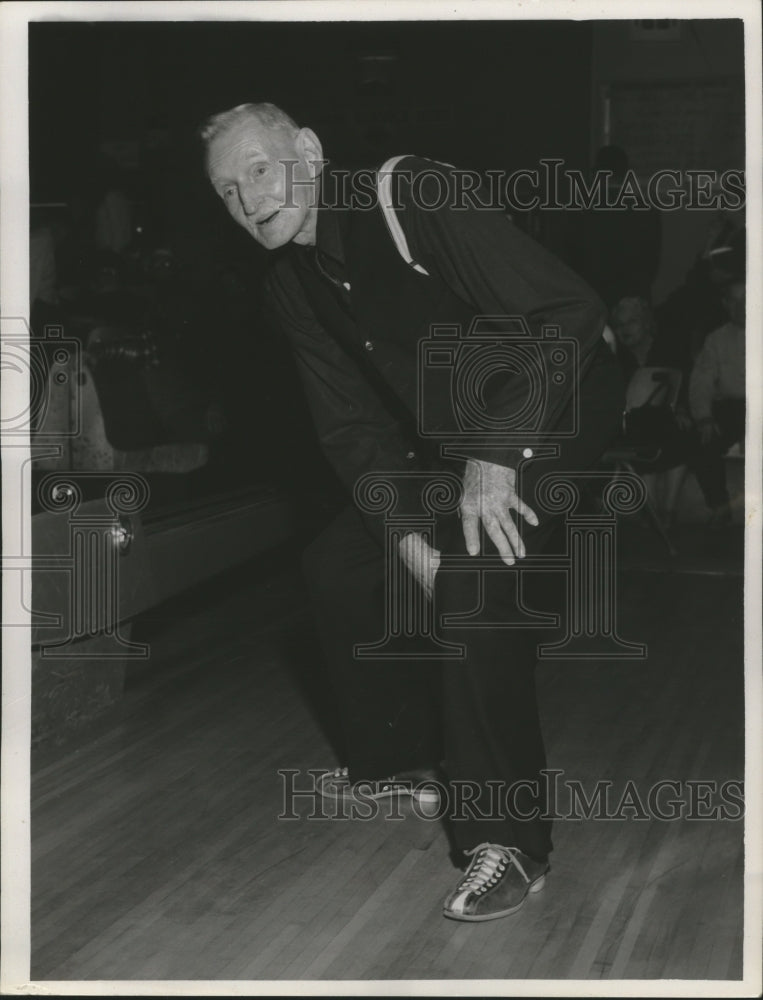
(717, 400)
(616, 250)
(691, 311)
(96, 230)
(642, 340)
(113, 213)
(640, 345)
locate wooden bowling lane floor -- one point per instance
(158, 852)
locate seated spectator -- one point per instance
(639, 346)
(717, 401)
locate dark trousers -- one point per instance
(708, 467)
(477, 716)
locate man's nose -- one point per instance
(249, 199)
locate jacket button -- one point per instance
(527, 453)
(368, 345)
(411, 454)
(346, 284)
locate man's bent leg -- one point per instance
(387, 707)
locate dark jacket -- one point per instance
(382, 348)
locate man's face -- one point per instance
(265, 180)
(630, 328)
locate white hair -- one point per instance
(269, 115)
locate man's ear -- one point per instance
(309, 146)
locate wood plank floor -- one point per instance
(158, 852)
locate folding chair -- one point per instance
(648, 387)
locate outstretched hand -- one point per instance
(489, 497)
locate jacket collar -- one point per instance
(330, 236)
(333, 223)
(332, 226)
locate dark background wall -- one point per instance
(495, 94)
(707, 52)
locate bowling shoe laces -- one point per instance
(496, 883)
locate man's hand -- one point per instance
(421, 559)
(489, 496)
(708, 430)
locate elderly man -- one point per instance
(354, 310)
